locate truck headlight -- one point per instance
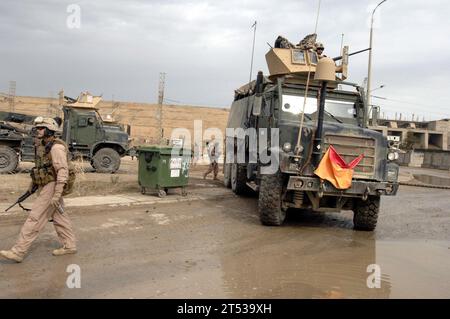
(287, 147)
(392, 156)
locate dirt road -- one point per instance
(216, 248)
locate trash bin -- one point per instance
(160, 170)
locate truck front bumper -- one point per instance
(359, 187)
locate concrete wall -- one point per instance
(442, 125)
(421, 138)
(141, 117)
(426, 158)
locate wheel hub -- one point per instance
(4, 161)
(106, 161)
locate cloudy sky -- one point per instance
(204, 47)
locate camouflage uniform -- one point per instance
(283, 43)
(213, 153)
(51, 175)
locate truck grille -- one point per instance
(350, 147)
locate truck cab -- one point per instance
(85, 133)
(88, 137)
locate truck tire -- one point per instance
(106, 160)
(366, 213)
(269, 203)
(8, 160)
(227, 175)
(238, 179)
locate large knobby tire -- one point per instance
(238, 179)
(106, 160)
(8, 160)
(227, 175)
(270, 197)
(365, 215)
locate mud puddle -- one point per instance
(433, 180)
(324, 263)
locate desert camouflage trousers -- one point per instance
(41, 212)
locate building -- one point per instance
(433, 135)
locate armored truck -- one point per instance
(87, 136)
(281, 126)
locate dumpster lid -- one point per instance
(166, 150)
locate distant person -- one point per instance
(196, 155)
(214, 154)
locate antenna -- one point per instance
(317, 18)
(253, 52)
(302, 117)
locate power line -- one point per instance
(396, 109)
(401, 101)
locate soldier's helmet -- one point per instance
(319, 45)
(47, 122)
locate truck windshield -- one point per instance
(99, 117)
(335, 110)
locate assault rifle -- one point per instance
(27, 194)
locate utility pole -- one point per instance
(12, 95)
(162, 82)
(369, 72)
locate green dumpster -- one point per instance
(160, 170)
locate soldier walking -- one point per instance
(51, 174)
(213, 153)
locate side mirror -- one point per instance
(257, 105)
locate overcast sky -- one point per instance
(204, 47)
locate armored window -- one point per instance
(313, 57)
(298, 56)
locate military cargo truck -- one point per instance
(87, 136)
(287, 102)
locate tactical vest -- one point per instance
(44, 172)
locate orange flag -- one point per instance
(334, 169)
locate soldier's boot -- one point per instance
(9, 254)
(64, 251)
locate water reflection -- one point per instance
(312, 256)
